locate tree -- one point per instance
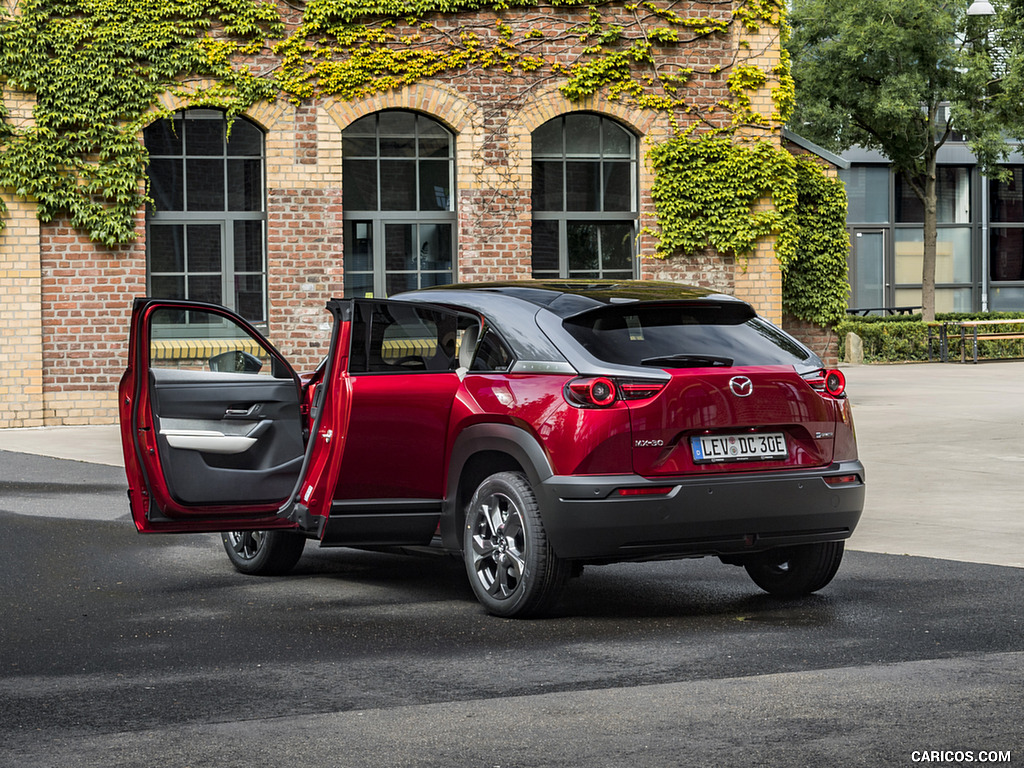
(878, 73)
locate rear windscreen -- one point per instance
(684, 335)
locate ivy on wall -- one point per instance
(814, 283)
(99, 67)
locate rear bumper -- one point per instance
(586, 518)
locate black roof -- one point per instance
(570, 297)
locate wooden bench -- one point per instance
(969, 329)
(865, 311)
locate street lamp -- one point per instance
(983, 8)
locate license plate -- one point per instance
(708, 448)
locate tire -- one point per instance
(796, 571)
(512, 568)
(263, 553)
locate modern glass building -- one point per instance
(980, 248)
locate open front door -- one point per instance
(211, 422)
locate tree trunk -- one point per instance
(930, 238)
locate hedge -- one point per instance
(903, 338)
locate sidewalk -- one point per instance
(943, 445)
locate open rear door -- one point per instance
(211, 423)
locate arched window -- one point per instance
(206, 227)
(585, 208)
(398, 176)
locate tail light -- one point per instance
(830, 381)
(601, 391)
(595, 393)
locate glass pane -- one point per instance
(167, 185)
(1006, 299)
(952, 256)
(545, 248)
(1007, 197)
(617, 247)
(430, 279)
(435, 251)
(867, 260)
(618, 187)
(204, 248)
(249, 297)
(248, 246)
(435, 185)
(435, 141)
(867, 193)
(399, 251)
(909, 207)
(547, 185)
(205, 288)
(398, 185)
(358, 285)
(166, 248)
(582, 136)
(358, 146)
(547, 140)
(1006, 260)
(618, 142)
(946, 299)
(358, 247)
(397, 134)
(163, 137)
(245, 185)
(397, 282)
(245, 139)
(205, 185)
(359, 186)
(364, 126)
(167, 287)
(582, 244)
(204, 137)
(582, 186)
(954, 192)
(953, 205)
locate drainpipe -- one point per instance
(984, 244)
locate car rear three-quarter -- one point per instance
(741, 443)
(688, 427)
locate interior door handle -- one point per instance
(252, 412)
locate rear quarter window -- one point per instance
(693, 334)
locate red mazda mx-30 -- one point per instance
(526, 427)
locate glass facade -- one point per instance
(886, 217)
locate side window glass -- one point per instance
(392, 337)
(199, 340)
(492, 356)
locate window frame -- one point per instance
(225, 218)
(379, 218)
(565, 218)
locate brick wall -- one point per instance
(823, 341)
(67, 300)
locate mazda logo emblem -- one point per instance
(741, 386)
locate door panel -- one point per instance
(211, 421)
(867, 270)
(226, 438)
(403, 381)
